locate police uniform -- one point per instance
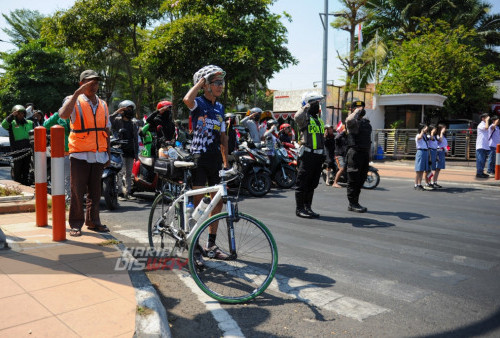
(312, 131)
(359, 132)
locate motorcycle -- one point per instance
(109, 178)
(283, 171)
(253, 164)
(371, 182)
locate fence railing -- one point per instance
(400, 143)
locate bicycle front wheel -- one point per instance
(248, 271)
(164, 225)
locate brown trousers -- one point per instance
(85, 178)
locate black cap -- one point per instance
(358, 104)
(89, 74)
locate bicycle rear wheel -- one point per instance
(165, 223)
(244, 275)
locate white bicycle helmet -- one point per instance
(311, 97)
(207, 72)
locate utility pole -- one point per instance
(325, 59)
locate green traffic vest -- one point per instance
(315, 134)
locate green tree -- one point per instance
(108, 35)
(244, 38)
(445, 61)
(25, 26)
(35, 73)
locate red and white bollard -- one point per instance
(57, 183)
(497, 163)
(41, 176)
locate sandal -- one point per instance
(99, 228)
(74, 232)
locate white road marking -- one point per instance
(224, 320)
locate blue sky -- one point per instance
(305, 38)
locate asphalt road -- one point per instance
(417, 264)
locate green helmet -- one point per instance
(18, 107)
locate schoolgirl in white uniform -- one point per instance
(432, 143)
(421, 157)
(442, 149)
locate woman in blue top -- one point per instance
(432, 143)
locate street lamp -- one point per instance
(329, 83)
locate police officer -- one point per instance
(19, 127)
(359, 131)
(311, 153)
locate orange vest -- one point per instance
(88, 132)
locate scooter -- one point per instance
(109, 179)
(253, 164)
(371, 182)
(283, 172)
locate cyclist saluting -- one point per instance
(209, 144)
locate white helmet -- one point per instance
(207, 72)
(311, 97)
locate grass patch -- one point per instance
(143, 310)
(9, 191)
(109, 242)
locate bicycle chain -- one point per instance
(9, 156)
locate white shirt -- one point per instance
(482, 137)
(421, 144)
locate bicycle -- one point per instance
(252, 250)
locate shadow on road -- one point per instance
(479, 328)
(358, 222)
(404, 215)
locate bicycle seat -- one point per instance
(148, 161)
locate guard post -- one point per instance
(40, 159)
(57, 182)
(497, 163)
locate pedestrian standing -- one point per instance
(311, 153)
(359, 140)
(441, 153)
(340, 153)
(88, 145)
(432, 144)
(482, 147)
(329, 153)
(125, 128)
(421, 156)
(209, 144)
(19, 128)
(493, 141)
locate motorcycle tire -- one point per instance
(110, 192)
(289, 181)
(258, 184)
(372, 179)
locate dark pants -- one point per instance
(357, 170)
(21, 168)
(308, 176)
(85, 178)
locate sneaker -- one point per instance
(122, 198)
(419, 188)
(482, 175)
(131, 198)
(437, 185)
(215, 253)
(429, 187)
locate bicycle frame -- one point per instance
(221, 192)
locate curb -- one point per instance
(154, 323)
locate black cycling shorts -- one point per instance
(207, 169)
